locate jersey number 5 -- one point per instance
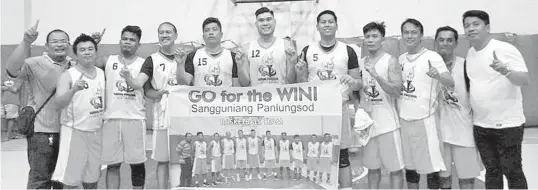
(315, 57)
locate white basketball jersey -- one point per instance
(456, 118)
(284, 150)
(267, 65)
(330, 65)
(297, 150)
(123, 102)
(313, 149)
(201, 149)
(213, 71)
(253, 145)
(164, 76)
(85, 111)
(269, 148)
(326, 150)
(241, 153)
(215, 149)
(228, 146)
(383, 106)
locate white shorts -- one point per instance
(10, 111)
(216, 164)
(228, 161)
(312, 163)
(124, 140)
(284, 163)
(421, 145)
(466, 160)
(324, 165)
(161, 148)
(199, 166)
(298, 163)
(385, 151)
(270, 163)
(79, 157)
(253, 160)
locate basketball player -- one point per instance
(298, 155)
(199, 168)
(330, 59)
(326, 158)
(271, 60)
(254, 154)
(158, 73)
(269, 155)
(382, 86)
(124, 128)
(497, 71)
(79, 93)
(216, 158)
(284, 157)
(456, 118)
(228, 149)
(212, 65)
(241, 155)
(312, 158)
(424, 72)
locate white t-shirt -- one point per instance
(253, 147)
(200, 149)
(419, 92)
(241, 153)
(455, 110)
(215, 149)
(284, 150)
(269, 148)
(496, 102)
(228, 146)
(267, 65)
(313, 149)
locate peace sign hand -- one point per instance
(30, 36)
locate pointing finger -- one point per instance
(430, 64)
(103, 32)
(36, 25)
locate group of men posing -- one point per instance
(243, 157)
(71, 141)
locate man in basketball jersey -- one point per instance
(312, 158)
(228, 149)
(382, 86)
(215, 150)
(124, 128)
(455, 117)
(284, 157)
(269, 155)
(330, 59)
(79, 93)
(241, 155)
(271, 60)
(298, 155)
(424, 72)
(254, 150)
(156, 75)
(212, 65)
(326, 158)
(199, 168)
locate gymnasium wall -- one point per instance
(527, 44)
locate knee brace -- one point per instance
(138, 174)
(411, 176)
(433, 180)
(344, 158)
(446, 182)
(113, 166)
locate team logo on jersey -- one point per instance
(266, 69)
(326, 73)
(449, 98)
(97, 100)
(407, 85)
(212, 78)
(371, 90)
(122, 86)
(172, 80)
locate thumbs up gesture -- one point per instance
(432, 72)
(30, 36)
(498, 65)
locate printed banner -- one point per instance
(274, 136)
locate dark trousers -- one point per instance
(185, 180)
(500, 150)
(42, 160)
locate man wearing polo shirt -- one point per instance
(424, 73)
(496, 72)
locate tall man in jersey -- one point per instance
(312, 158)
(158, 72)
(80, 92)
(215, 151)
(330, 59)
(253, 158)
(241, 155)
(228, 151)
(269, 155)
(124, 128)
(212, 65)
(424, 72)
(382, 86)
(271, 60)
